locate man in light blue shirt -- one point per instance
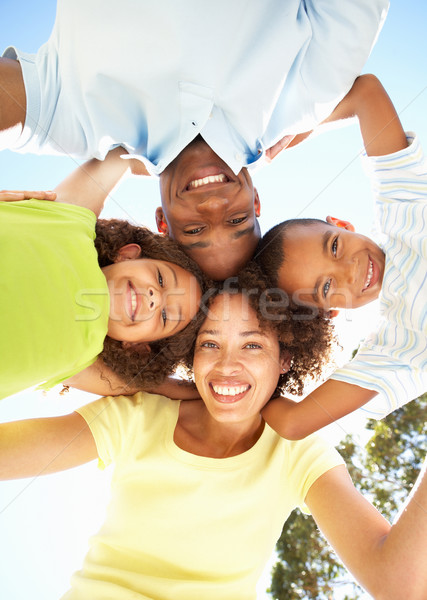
(220, 82)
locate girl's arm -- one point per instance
(90, 184)
(100, 379)
(327, 403)
(388, 561)
(40, 446)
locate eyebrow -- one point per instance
(244, 334)
(325, 248)
(236, 235)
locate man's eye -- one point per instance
(193, 231)
(326, 288)
(237, 220)
(164, 317)
(334, 246)
(160, 278)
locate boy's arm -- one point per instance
(39, 446)
(380, 126)
(327, 403)
(389, 562)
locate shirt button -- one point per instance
(194, 123)
(238, 156)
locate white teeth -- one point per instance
(133, 301)
(370, 273)
(209, 179)
(224, 390)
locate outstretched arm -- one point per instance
(327, 403)
(40, 446)
(388, 561)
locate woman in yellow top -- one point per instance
(201, 488)
(61, 294)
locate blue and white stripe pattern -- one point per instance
(393, 359)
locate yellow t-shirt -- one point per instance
(187, 527)
(54, 300)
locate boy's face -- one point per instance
(330, 267)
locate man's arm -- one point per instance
(388, 561)
(327, 403)
(40, 446)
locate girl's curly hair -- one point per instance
(139, 365)
(303, 332)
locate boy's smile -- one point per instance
(330, 267)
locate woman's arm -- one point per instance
(327, 403)
(388, 561)
(41, 446)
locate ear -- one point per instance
(331, 314)
(257, 203)
(285, 361)
(339, 223)
(128, 252)
(162, 226)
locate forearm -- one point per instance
(326, 404)
(40, 446)
(381, 129)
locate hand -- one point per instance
(14, 196)
(288, 141)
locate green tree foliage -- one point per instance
(384, 471)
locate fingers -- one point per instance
(14, 195)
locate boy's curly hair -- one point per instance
(303, 332)
(139, 365)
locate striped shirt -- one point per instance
(392, 360)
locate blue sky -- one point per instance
(45, 523)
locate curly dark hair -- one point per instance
(303, 332)
(141, 365)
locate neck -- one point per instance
(199, 433)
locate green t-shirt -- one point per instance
(54, 300)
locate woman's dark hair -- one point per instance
(302, 332)
(140, 365)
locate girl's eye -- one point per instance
(164, 317)
(194, 231)
(237, 220)
(160, 278)
(334, 246)
(326, 288)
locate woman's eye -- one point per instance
(194, 231)
(164, 317)
(160, 278)
(208, 345)
(237, 220)
(326, 288)
(334, 246)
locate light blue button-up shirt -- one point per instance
(152, 75)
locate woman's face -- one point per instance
(236, 364)
(149, 299)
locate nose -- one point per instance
(348, 271)
(154, 298)
(228, 363)
(213, 205)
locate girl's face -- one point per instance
(149, 299)
(236, 364)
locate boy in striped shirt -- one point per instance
(328, 266)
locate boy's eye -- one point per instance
(164, 317)
(253, 346)
(334, 246)
(326, 288)
(160, 278)
(208, 345)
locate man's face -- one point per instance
(330, 267)
(210, 211)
